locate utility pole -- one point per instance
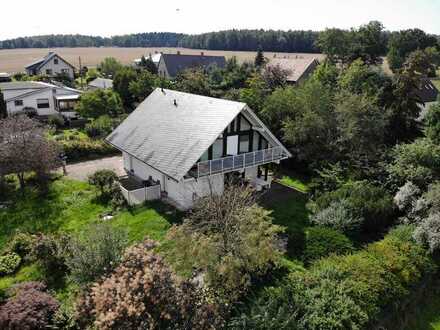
(80, 73)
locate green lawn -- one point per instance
(294, 180)
(68, 207)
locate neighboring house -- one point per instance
(51, 65)
(170, 65)
(184, 146)
(299, 68)
(5, 77)
(100, 83)
(39, 98)
(155, 58)
(428, 94)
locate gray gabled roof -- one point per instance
(42, 61)
(176, 63)
(171, 138)
(101, 83)
(427, 91)
(19, 89)
(298, 67)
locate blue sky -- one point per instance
(113, 17)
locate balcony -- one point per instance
(237, 162)
(137, 192)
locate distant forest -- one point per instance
(240, 40)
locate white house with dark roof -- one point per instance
(170, 65)
(185, 146)
(39, 98)
(51, 65)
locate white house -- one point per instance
(39, 98)
(51, 65)
(183, 146)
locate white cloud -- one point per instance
(195, 16)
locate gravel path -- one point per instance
(80, 171)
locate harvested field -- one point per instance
(14, 60)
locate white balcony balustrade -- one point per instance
(237, 162)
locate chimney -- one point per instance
(178, 52)
(175, 102)
(202, 53)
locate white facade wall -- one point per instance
(162, 69)
(184, 192)
(57, 68)
(30, 101)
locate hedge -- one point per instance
(354, 291)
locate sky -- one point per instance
(111, 17)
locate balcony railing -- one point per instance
(234, 163)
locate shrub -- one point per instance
(143, 293)
(83, 149)
(30, 308)
(117, 200)
(229, 238)
(370, 203)
(9, 263)
(21, 243)
(103, 180)
(321, 242)
(95, 252)
(406, 196)
(352, 291)
(338, 216)
(100, 126)
(48, 252)
(428, 232)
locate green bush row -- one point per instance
(353, 291)
(84, 149)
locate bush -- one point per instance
(30, 308)
(352, 291)
(9, 263)
(117, 200)
(48, 251)
(143, 293)
(428, 232)
(95, 252)
(365, 201)
(321, 242)
(103, 180)
(85, 149)
(100, 127)
(338, 216)
(21, 243)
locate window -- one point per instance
(217, 149)
(48, 72)
(55, 61)
(255, 141)
(43, 103)
(244, 143)
(244, 124)
(66, 71)
(205, 156)
(18, 103)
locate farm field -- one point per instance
(14, 60)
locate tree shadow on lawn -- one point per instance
(288, 208)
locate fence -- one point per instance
(138, 196)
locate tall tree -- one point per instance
(148, 64)
(3, 108)
(109, 66)
(99, 103)
(121, 83)
(260, 60)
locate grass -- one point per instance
(294, 180)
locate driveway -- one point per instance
(80, 171)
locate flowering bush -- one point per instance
(143, 293)
(9, 263)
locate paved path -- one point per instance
(80, 171)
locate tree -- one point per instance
(422, 62)
(432, 120)
(143, 85)
(103, 180)
(148, 64)
(275, 76)
(109, 66)
(144, 293)
(335, 43)
(25, 148)
(121, 83)
(370, 43)
(193, 81)
(255, 92)
(229, 238)
(30, 308)
(260, 60)
(98, 103)
(3, 108)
